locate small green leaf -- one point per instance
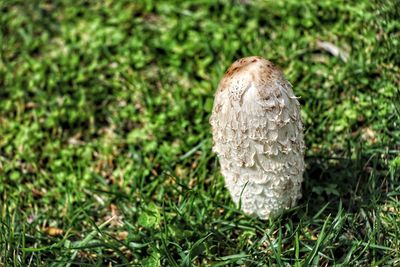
(150, 218)
(153, 260)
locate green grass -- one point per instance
(105, 146)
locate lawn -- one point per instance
(105, 144)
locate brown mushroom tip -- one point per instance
(242, 63)
(260, 69)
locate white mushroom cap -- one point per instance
(258, 137)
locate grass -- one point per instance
(105, 146)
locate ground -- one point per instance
(105, 145)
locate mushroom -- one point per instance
(258, 137)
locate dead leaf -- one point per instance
(369, 135)
(122, 235)
(53, 231)
(37, 193)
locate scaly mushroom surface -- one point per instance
(258, 137)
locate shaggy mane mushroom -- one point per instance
(258, 137)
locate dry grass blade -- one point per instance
(333, 50)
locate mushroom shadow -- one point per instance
(357, 183)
